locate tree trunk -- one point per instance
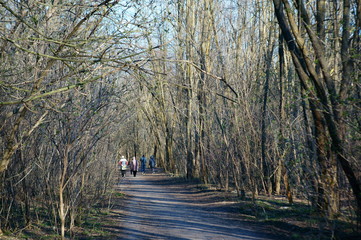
(190, 23)
(281, 140)
(266, 164)
(62, 208)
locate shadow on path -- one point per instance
(159, 208)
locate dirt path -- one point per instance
(159, 208)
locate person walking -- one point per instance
(135, 166)
(131, 167)
(143, 162)
(123, 163)
(152, 163)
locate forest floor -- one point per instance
(159, 206)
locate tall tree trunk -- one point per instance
(205, 43)
(265, 163)
(281, 140)
(330, 172)
(190, 23)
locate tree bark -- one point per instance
(266, 164)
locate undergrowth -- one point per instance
(297, 220)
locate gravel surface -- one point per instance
(157, 207)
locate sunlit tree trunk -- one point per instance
(189, 82)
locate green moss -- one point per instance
(119, 194)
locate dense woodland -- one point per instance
(253, 96)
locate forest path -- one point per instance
(159, 208)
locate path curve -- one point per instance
(158, 208)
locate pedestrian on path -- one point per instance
(143, 162)
(152, 163)
(123, 163)
(135, 166)
(131, 167)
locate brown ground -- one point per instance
(158, 207)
